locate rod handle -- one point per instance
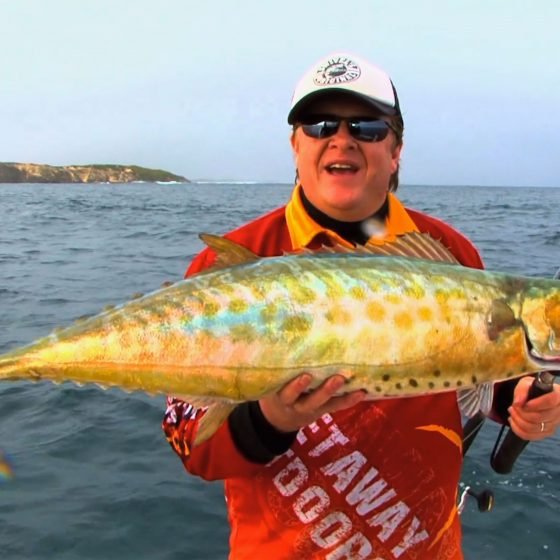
(503, 459)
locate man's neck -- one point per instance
(354, 232)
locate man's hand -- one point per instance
(292, 407)
(535, 419)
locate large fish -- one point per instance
(393, 325)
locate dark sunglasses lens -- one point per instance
(368, 131)
(360, 129)
(321, 129)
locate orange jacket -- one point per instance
(378, 480)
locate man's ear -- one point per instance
(293, 141)
(396, 157)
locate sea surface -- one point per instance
(94, 476)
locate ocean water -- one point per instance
(94, 476)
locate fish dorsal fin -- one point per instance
(412, 245)
(228, 252)
(557, 275)
(336, 249)
(333, 250)
(415, 245)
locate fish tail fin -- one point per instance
(10, 369)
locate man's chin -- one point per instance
(345, 179)
(350, 209)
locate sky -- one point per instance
(202, 88)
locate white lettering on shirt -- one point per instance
(389, 519)
(336, 437)
(311, 503)
(368, 498)
(291, 478)
(345, 469)
(331, 529)
(355, 548)
(362, 487)
(411, 538)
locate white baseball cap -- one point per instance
(348, 73)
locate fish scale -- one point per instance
(394, 326)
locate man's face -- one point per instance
(345, 178)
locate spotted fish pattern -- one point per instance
(394, 326)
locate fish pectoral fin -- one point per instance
(215, 415)
(228, 252)
(476, 399)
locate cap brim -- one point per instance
(300, 106)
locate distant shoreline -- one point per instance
(79, 174)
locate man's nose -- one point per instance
(343, 136)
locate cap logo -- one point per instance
(337, 70)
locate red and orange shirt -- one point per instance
(378, 480)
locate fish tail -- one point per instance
(6, 366)
(10, 369)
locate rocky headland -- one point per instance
(97, 173)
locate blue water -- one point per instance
(94, 477)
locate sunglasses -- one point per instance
(360, 128)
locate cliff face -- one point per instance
(35, 173)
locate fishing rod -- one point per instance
(484, 499)
(504, 457)
(471, 429)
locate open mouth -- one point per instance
(341, 168)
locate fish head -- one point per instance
(540, 316)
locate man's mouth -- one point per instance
(341, 168)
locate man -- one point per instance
(309, 474)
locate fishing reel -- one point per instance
(484, 499)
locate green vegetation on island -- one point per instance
(95, 173)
